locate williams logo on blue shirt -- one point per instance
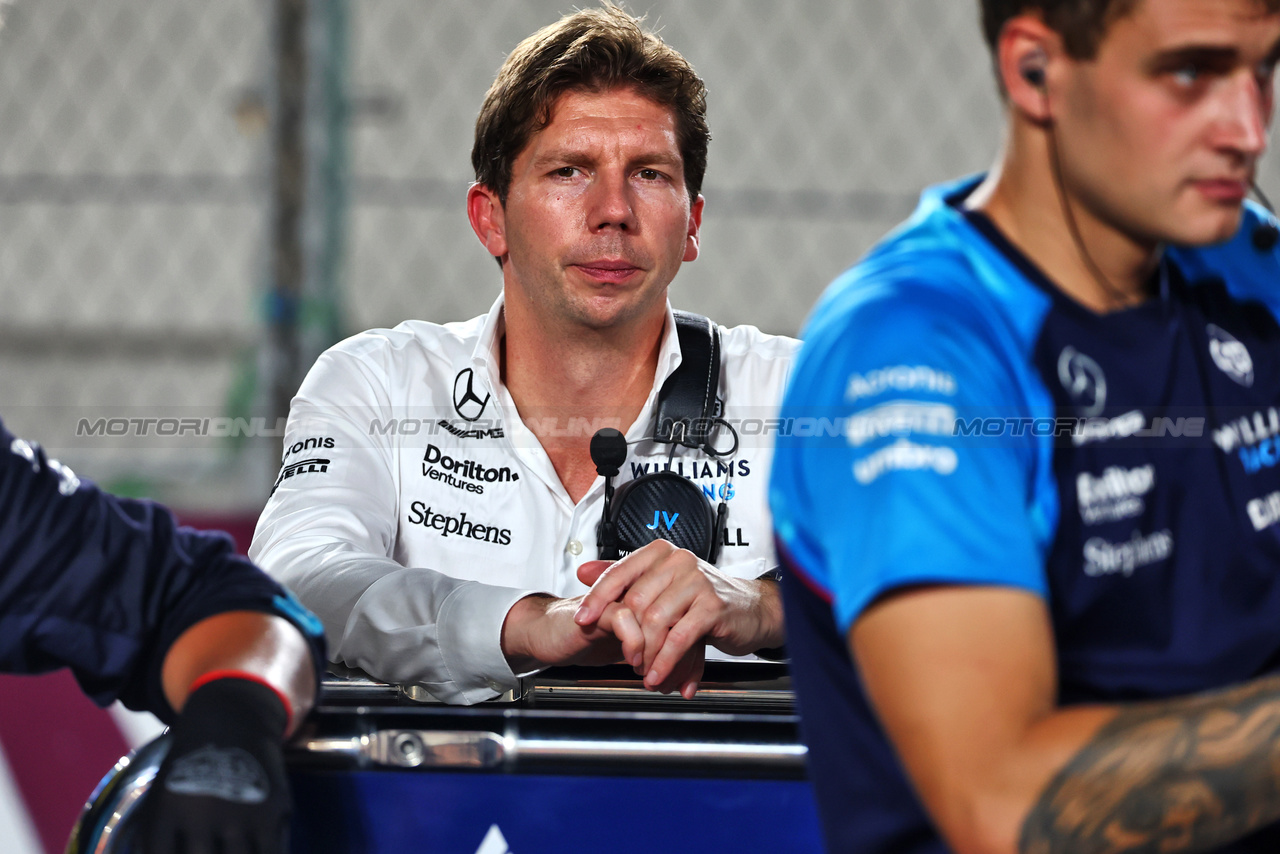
(1230, 355)
(1253, 437)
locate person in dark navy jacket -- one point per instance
(1033, 591)
(168, 620)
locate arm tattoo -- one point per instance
(1182, 776)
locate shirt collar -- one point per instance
(485, 354)
(485, 357)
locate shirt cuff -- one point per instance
(470, 638)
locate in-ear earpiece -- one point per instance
(1031, 68)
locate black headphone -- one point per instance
(663, 504)
(1265, 235)
(1031, 67)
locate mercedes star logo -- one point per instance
(466, 402)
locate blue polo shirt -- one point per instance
(1124, 466)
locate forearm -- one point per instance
(773, 633)
(407, 625)
(261, 645)
(520, 635)
(963, 681)
(754, 619)
(1184, 775)
(541, 631)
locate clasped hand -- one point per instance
(664, 605)
(656, 609)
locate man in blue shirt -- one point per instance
(1034, 592)
(169, 620)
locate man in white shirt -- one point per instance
(438, 504)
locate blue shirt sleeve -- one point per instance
(936, 475)
(105, 585)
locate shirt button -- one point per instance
(574, 548)
(494, 686)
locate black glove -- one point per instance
(222, 788)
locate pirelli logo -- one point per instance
(301, 467)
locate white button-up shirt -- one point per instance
(414, 507)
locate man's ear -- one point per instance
(488, 219)
(1030, 55)
(695, 226)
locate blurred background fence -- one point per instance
(195, 197)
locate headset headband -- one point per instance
(687, 400)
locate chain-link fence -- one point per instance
(146, 188)
(827, 117)
(132, 209)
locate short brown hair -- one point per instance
(591, 50)
(1081, 23)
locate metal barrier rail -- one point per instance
(741, 686)
(576, 721)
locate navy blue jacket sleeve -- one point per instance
(105, 585)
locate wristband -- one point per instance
(213, 675)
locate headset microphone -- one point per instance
(608, 452)
(1266, 235)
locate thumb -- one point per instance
(589, 573)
